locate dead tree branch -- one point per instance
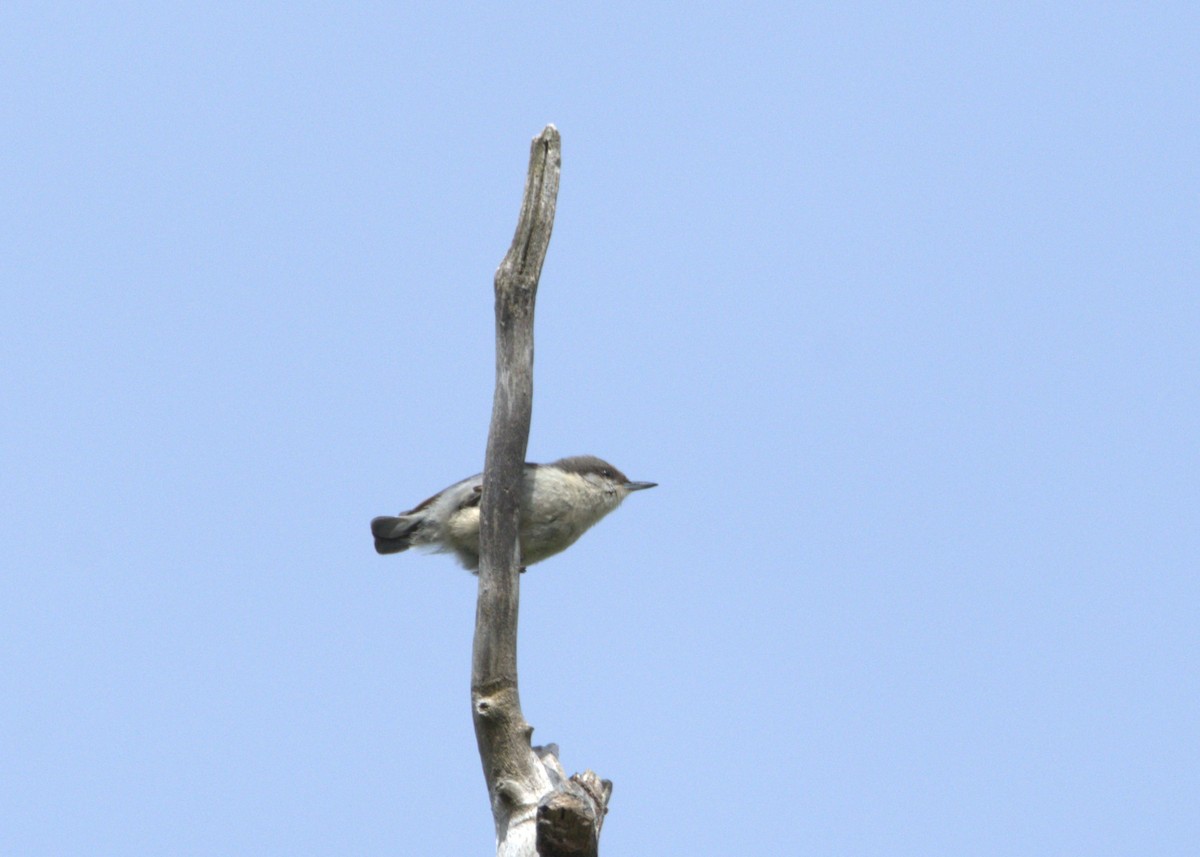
(537, 809)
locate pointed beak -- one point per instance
(639, 486)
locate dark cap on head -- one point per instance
(585, 464)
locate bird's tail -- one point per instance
(393, 534)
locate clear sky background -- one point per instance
(898, 302)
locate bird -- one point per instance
(560, 502)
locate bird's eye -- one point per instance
(607, 474)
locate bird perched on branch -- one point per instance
(560, 502)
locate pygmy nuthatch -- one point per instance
(560, 502)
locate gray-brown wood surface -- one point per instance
(536, 807)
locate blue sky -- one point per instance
(898, 304)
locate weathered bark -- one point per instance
(533, 803)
